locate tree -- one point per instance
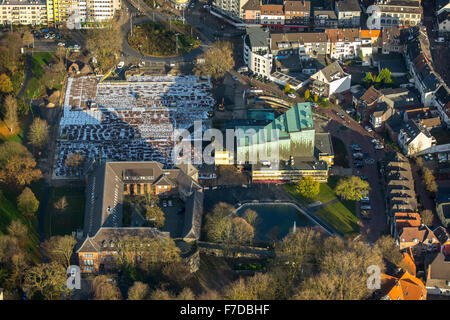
(19, 231)
(352, 188)
(19, 171)
(9, 149)
(27, 38)
(242, 231)
(177, 273)
(8, 247)
(61, 204)
(316, 98)
(156, 215)
(47, 280)
(427, 217)
(105, 45)
(11, 117)
(287, 88)
(251, 216)
(389, 250)
(368, 79)
(5, 84)
(59, 249)
(27, 202)
(307, 95)
(139, 291)
(342, 274)
(38, 135)
(104, 289)
(10, 52)
(384, 77)
(297, 250)
(217, 61)
(429, 180)
(259, 287)
(308, 187)
(74, 160)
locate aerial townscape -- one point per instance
(224, 150)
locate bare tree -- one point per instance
(47, 279)
(139, 291)
(11, 117)
(104, 289)
(39, 133)
(61, 204)
(217, 61)
(59, 249)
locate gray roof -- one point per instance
(104, 193)
(331, 70)
(322, 143)
(193, 216)
(347, 5)
(441, 234)
(252, 5)
(439, 272)
(106, 239)
(257, 37)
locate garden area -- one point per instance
(64, 216)
(154, 39)
(339, 214)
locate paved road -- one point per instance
(355, 133)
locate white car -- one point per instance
(366, 208)
(235, 78)
(375, 141)
(121, 64)
(291, 95)
(379, 147)
(368, 129)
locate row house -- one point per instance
(400, 13)
(414, 138)
(420, 239)
(251, 12)
(297, 13)
(348, 13)
(442, 102)
(345, 43)
(311, 43)
(230, 8)
(406, 287)
(272, 15)
(324, 19)
(442, 13)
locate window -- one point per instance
(88, 255)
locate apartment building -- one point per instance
(32, 12)
(309, 43)
(331, 79)
(348, 13)
(272, 15)
(325, 19)
(251, 12)
(230, 8)
(414, 138)
(257, 55)
(400, 13)
(345, 43)
(297, 12)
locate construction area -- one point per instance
(128, 120)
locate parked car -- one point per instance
(164, 204)
(367, 207)
(235, 78)
(121, 64)
(170, 203)
(379, 147)
(291, 95)
(358, 155)
(368, 129)
(375, 141)
(365, 199)
(430, 156)
(365, 214)
(364, 178)
(341, 115)
(355, 147)
(358, 164)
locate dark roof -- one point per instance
(193, 216)
(393, 65)
(348, 5)
(252, 5)
(442, 95)
(444, 15)
(443, 195)
(106, 239)
(257, 37)
(395, 122)
(440, 4)
(441, 234)
(322, 144)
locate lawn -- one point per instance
(62, 223)
(35, 88)
(8, 213)
(340, 152)
(340, 215)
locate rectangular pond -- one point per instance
(275, 220)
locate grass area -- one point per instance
(339, 215)
(62, 223)
(155, 40)
(34, 87)
(8, 213)
(340, 152)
